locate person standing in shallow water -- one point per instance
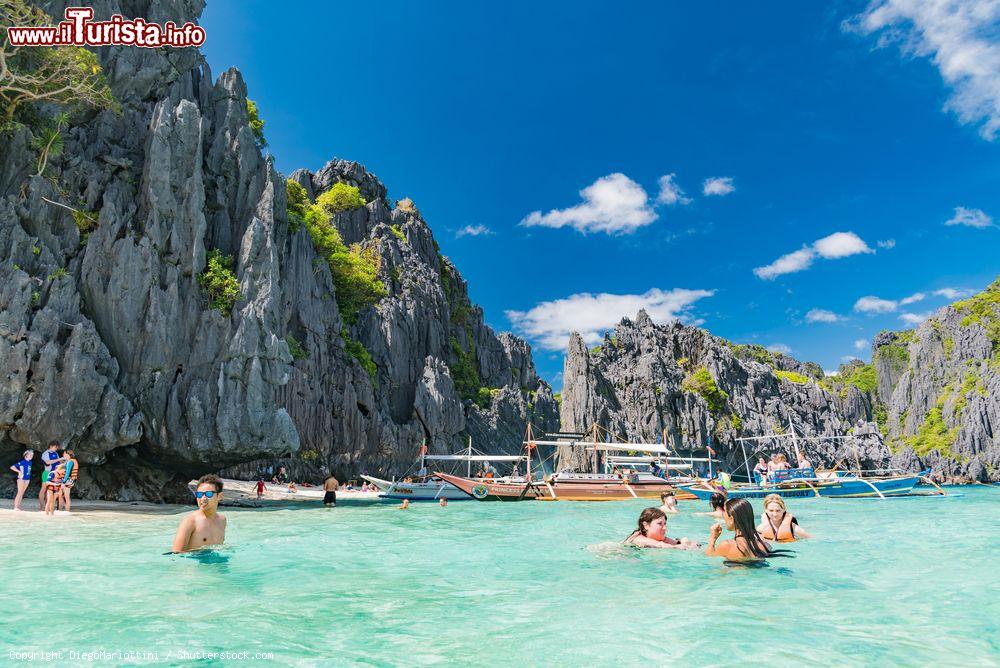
(330, 487)
(204, 526)
(23, 471)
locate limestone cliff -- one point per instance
(109, 343)
(645, 379)
(940, 385)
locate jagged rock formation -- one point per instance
(940, 384)
(646, 380)
(107, 341)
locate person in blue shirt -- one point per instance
(23, 471)
(50, 460)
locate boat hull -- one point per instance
(834, 488)
(562, 490)
(416, 491)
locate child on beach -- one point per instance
(23, 471)
(50, 459)
(204, 526)
(260, 488)
(53, 489)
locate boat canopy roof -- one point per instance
(474, 458)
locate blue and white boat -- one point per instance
(838, 485)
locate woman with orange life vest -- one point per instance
(72, 471)
(779, 524)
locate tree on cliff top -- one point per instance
(67, 75)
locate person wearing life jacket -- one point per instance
(779, 524)
(72, 471)
(53, 488)
(50, 459)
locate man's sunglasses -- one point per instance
(198, 495)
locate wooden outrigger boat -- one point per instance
(435, 487)
(807, 482)
(623, 482)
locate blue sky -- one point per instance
(818, 153)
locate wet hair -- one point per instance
(211, 479)
(774, 498)
(666, 495)
(646, 517)
(54, 444)
(743, 524)
(717, 500)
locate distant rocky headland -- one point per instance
(171, 305)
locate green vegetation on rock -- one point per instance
(219, 282)
(933, 435)
(753, 352)
(792, 377)
(397, 231)
(700, 382)
(354, 268)
(297, 205)
(36, 75)
(357, 350)
(862, 377)
(465, 372)
(295, 348)
(340, 197)
(983, 309)
(256, 124)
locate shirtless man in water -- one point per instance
(204, 526)
(330, 487)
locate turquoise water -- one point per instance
(901, 582)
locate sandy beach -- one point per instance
(237, 493)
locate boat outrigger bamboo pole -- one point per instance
(528, 447)
(595, 449)
(931, 482)
(468, 464)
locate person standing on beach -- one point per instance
(260, 488)
(72, 471)
(23, 471)
(204, 526)
(330, 487)
(50, 460)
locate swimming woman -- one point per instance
(668, 503)
(716, 501)
(652, 532)
(746, 545)
(779, 524)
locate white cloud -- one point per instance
(912, 299)
(860, 344)
(970, 218)
(873, 304)
(887, 244)
(952, 293)
(848, 358)
(473, 231)
(613, 204)
(960, 38)
(549, 324)
(914, 318)
(779, 348)
(835, 246)
(841, 244)
(827, 372)
(822, 315)
(718, 185)
(670, 192)
(787, 264)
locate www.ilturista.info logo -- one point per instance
(79, 30)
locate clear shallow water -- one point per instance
(899, 582)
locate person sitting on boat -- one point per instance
(652, 532)
(779, 524)
(746, 545)
(668, 503)
(783, 464)
(803, 462)
(760, 471)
